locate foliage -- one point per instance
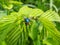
(24, 25)
(35, 31)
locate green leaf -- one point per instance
(50, 27)
(51, 15)
(10, 6)
(34, 30)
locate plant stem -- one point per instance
(51, 4)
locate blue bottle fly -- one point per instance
(27, 20)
